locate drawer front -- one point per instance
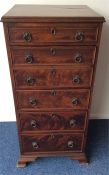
(39, 77)
(29, 35)
(47, 121)
(77, 55)
(42, 99)
(52, 142)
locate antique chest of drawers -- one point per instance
(52, 52)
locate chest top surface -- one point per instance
(47, 13)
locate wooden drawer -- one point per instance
(47, 121)
(42, 99)
(52, 142)
(77, 55)
(49, 34)
(44, 77)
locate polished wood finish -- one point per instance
(52, 121)
(52, 142)
(45, 34)
(45, 13)
(52, 77)
(52, 53)
(47, 99)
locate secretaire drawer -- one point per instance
(53, 77)
(52, 34)
(49, 121)
(42, 99)
(77, 55)
(52, 142)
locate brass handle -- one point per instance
(53, 51)
(72, 122)
(33, 101)
(70, 144)
(35, 145)
(78, 58)
(75, 101)
(53, 31)
(76, 79)
(33, 124)
(27, 36)
(30, 80)
(29, 58)
(79, 36)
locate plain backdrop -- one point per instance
(100, 101)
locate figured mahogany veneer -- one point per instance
(47, 77)
(50, 55)
(52, 142)
(52, 34)
(52, 121)
(42, 99)
(52, 52)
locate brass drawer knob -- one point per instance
(78, 58)
(35, 145)
(27, 36)
(72, 122)
(29, 58)
(53, 31)
(70, 144)
(33, 124)
(76, 79)
(33, 102)
(79, 36)
(30, 80)
(75, 101)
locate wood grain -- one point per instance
(51, 99)
(42, 45)
(53, 77)
(61, 55)
(52, 121)
(52, 142)
(44, 34)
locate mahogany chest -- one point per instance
(52, 53)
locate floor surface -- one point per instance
(97, 152)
